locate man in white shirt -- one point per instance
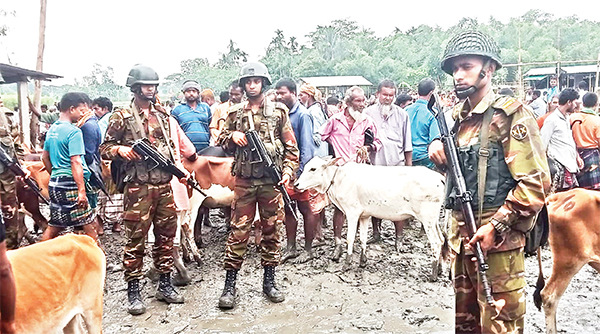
(557, 139)
(537, 104)
(393, 130)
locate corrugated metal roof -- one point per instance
(567, 69)
(337, 81)
(12, 74)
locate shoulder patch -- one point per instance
(519, 131)
(507, 103)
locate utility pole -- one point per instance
(597, 73)
(39, 66)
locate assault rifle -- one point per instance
(258, 150)
(464, 196)
(157, 160)
(14, 166)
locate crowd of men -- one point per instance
(512, 156)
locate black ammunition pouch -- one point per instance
(117, 174)
(247, 165)
(498, 183)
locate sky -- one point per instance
(160, 34)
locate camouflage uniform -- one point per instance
(516, 183)
(253, 185)
(147, 196)
(8, 190)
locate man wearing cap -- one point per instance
(506, 172)
(253, 185)
(194, 116)
(310, 100)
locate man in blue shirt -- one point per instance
(63, 155)
(194, 116)
(309, 203)
(109, 211)
(102, 107)
(423, 125)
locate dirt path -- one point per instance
(391, 295)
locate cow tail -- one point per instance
(537, 296)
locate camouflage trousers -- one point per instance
(270, 209)
(10, 208)
(144, 205)
(507, 278)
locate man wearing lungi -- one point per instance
(63, 158)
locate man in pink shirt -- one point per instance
(345, 132)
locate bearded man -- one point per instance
(352, 134)
(393, 128)
(194, 116)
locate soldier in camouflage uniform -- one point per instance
(8, 187)
(513, 181)
(148, 198)
(253, 186)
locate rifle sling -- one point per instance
(137, 127)
(165, 134)
(484, 154)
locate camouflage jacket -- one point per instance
(273, 125)
(514, 131)
(9, 138)
(120, 132)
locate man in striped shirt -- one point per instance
(194, 116)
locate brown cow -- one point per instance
(57, 281)
(28, 198)
(214, 176)
(574, 241)
(212, 170)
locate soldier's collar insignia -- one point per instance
(519, 131)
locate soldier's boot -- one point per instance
(269, 288)
(136, 305)
(227, 299)
(166, 292)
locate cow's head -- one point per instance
(317, 174)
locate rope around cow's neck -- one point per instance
(334, 174)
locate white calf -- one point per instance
(362, 191)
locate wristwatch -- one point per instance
(501, 228)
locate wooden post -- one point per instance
(597, 73)
(22, 94)
(37, 97)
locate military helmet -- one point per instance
(471, 43)
(255, 70)
(143, 75)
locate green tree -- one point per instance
(233, 58)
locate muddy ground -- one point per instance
(391, 295)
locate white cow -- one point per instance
(362, 191)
